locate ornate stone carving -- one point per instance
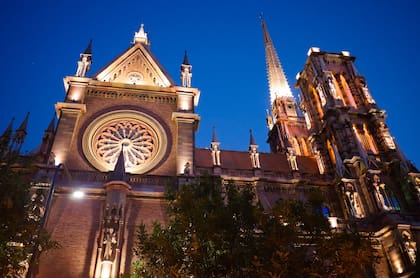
(139, 141)
(143, 138)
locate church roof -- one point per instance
(136, 65)
(239, 160)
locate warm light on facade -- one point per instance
(106, 267)
(78, 194)
(58, 159)
(184, 102)
(345, 53)
(333, 222)
(313, 49)
(75, 93)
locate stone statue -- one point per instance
(187, 169)
(353, 201)
(379, 193)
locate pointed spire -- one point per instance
(278, 85)
(185, 62)
(9, 129)
(214, 135)
(119, 171)
(19, 136)
(251, 138)
(24, 124)
(5, 138)
(141, 36)
(88, 49)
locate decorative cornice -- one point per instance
(143, 96)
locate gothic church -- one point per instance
(127, 130)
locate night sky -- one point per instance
(41, 42)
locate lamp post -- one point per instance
(44, 220)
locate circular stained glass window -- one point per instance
(140, 137)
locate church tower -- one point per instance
(352, 142)
(287, 129)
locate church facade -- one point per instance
(128, 130)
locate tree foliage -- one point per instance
(219, 231)
(20, 214)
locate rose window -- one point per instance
(141, 138)
(136, 139)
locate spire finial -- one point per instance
(185, 62)
(278, 85)
(24, 124)
(214, 135)
(251, 138)
(88, 49)
(141, 36)
(83, 65)
(119, 173)
(186, 74)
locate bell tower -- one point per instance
(349, 135)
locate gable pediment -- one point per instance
(138, 66)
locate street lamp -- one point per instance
(44, 220)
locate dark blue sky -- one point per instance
(41, 42)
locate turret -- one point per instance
(215, 149)
(186, 72)
(253, 152)
(141, 36)
(19, 136)
(83, 65)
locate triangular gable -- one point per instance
(137, 65)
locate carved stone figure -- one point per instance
(380, 194)
(353, 201)
(187, 170)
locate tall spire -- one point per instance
(119, 171)
(278, 85)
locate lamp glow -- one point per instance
(333, 222)
(106, 269)
(78, 194)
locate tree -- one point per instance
(20, 215)
(298, 242)
(219, 231)
(211, 233)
